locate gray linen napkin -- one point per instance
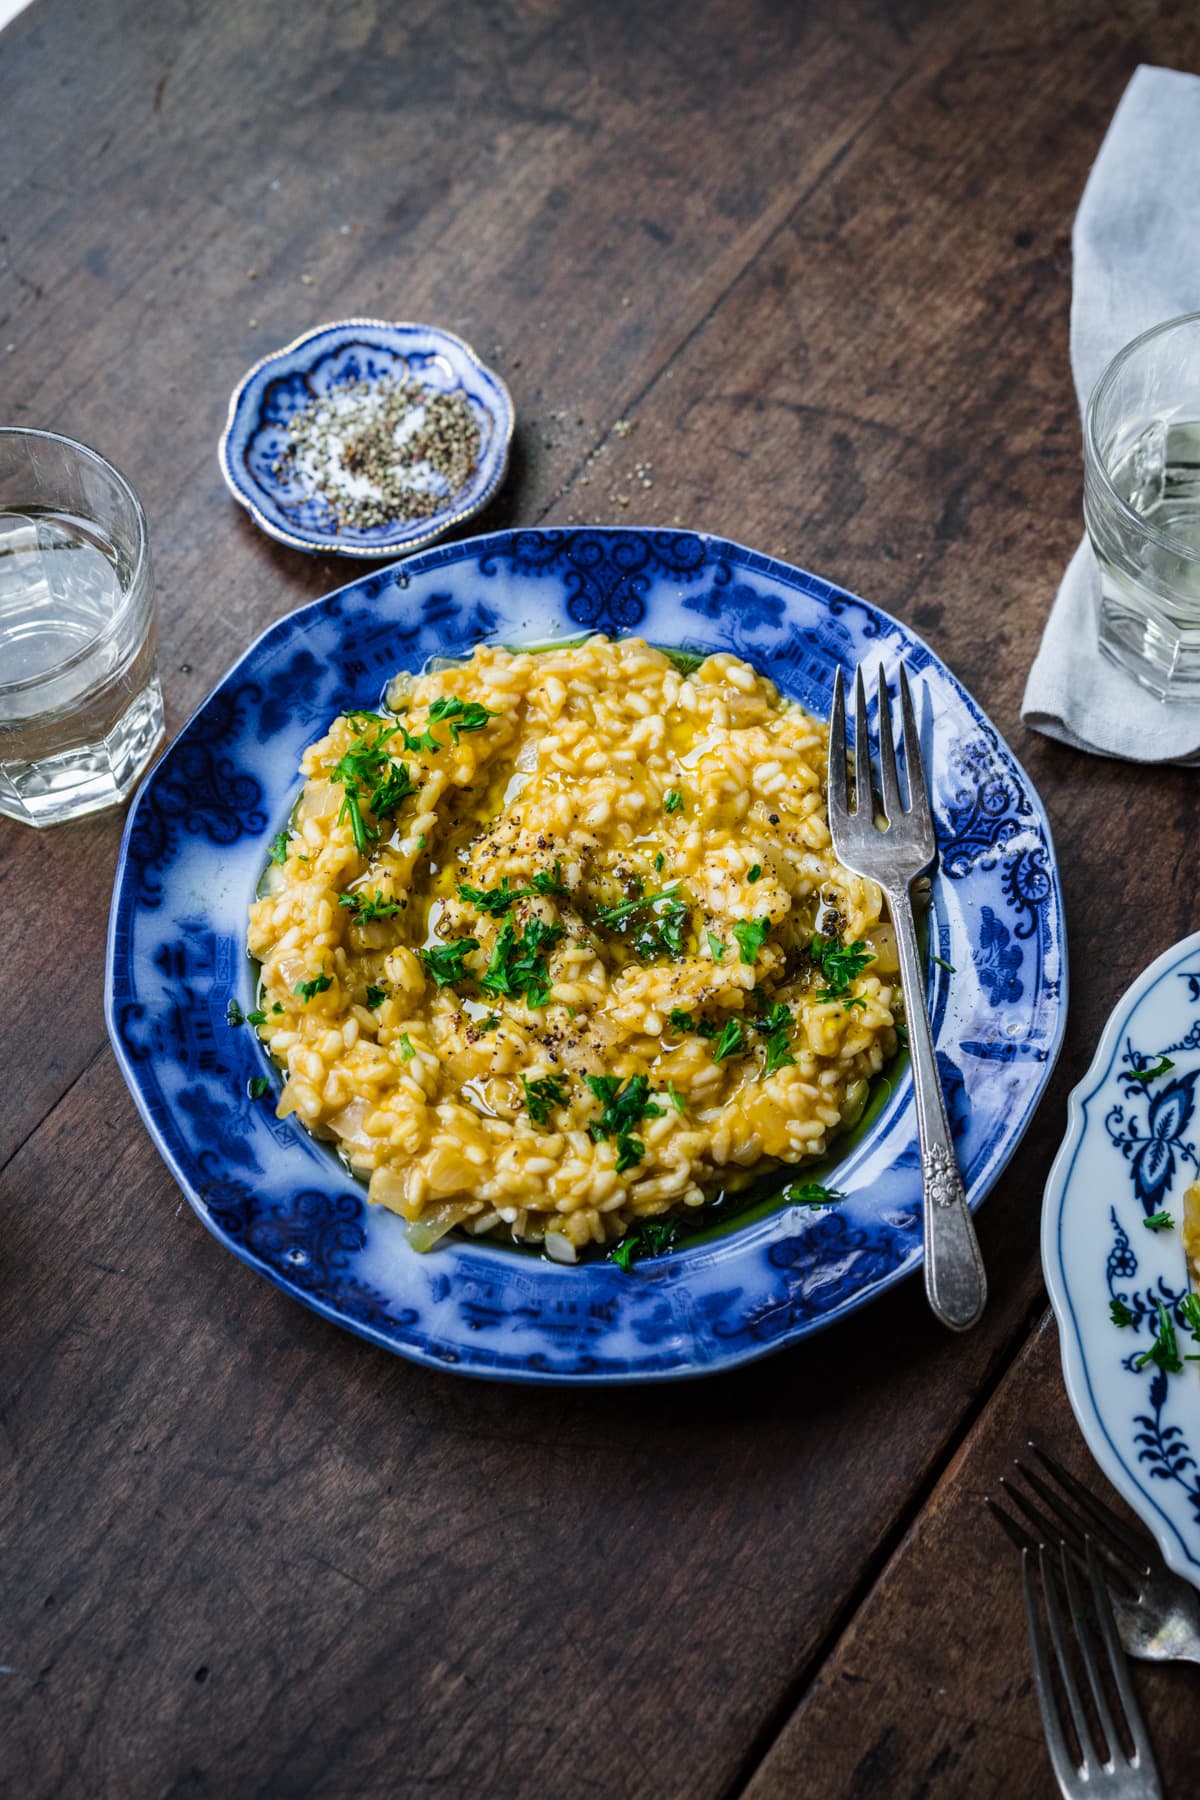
(1136, 248)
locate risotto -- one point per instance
(557, 944)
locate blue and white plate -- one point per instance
(316, 365)
(1130, 1150)
(197, 840)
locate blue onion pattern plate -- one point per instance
(197, 839)
(317, 365)
(1131, 1148)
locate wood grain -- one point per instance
(929, 1691)
(245, 1553)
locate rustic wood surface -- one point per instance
(820, 256)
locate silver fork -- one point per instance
(894, 855)
(1157, 1613)
(1120, 1776)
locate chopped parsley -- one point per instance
(630, 1150)
(444, 962)
(278, 1007)
(1161, 1067)
(279, 844)
(1119, 1313)
(751, 935)
(716, 948)
(517, 967)
(775, 1026)
(612, 915)
(318, 984)
(812, 1193)
(542, 1093)
(648, 1237)
(234, 1014)
(366, 907)
(662, 935)
(902, 1035)
(754, 874)
(547, 883)
(676, 1098)
(460, 715)
(658, 863)
(840, 964)
(406, 1047)
(708, 1028)
(1164, 1350)
(425, 740)
(679, 1020)
(1159, 1221)
(1189, 1306)
(375, 995)
(394, 785)
(492, 900)
(257, 1086)
(943, 964)
(256, 1018)
(732, 1039)
(672, 801)
(856, 1000)
(364, 771)
(490, 1022)
(623, 1107)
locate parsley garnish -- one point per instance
(708, 1028)
(444, 962)
(543, 1093)
(751, 935)
(318, 984)
(256, 1018)
(612, 915)
(840, 964)
(943, 964)
(365, 767)
(394, 785)
(672, 801)
(278, 1007)
(517, 967)
(257, 1086)
(1164, 1350)
(733, 1038)
(680, 1020)
(775, 1026)
(662, 935)
(490, 1022)
(1189, 1306)
(716, 948)
(623, 1108)
(279, 844)
(901, 1035)
(406, 1047)
(492, 900)
(648, 1237)
(855, 1000)
(675, 1097)
(630, 1150)
(754, 874)
(366, 907)
(425, 741)
(375, 995)
(460, 715)
(812, 1193)
(1119, 1313)
(234, 1014)
(1159, 1221)
(658, 863)
(545, 883)
(1161, 1067)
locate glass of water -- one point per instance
(80, 706)
(1141, 502)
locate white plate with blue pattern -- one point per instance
(1130, 1150)
(197, 840)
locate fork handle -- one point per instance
(954, 1279)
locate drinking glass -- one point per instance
(80, 705)
(1141, 503)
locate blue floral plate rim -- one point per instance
(1152, 1455)
(203, 819)
(384, 541)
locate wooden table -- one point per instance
(819, 255)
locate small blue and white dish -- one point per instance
(317, 365)
(1132, 1146)
(197, 840)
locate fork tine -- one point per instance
(914, 767)
(893, 806)
(1012, 1527)
(1088, 1656)
(1066, 1672)
(1143, 1754)
(1063, 1526)
(1136, 1548)
(839, 804)
(1056, 1741)
(865, 797)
